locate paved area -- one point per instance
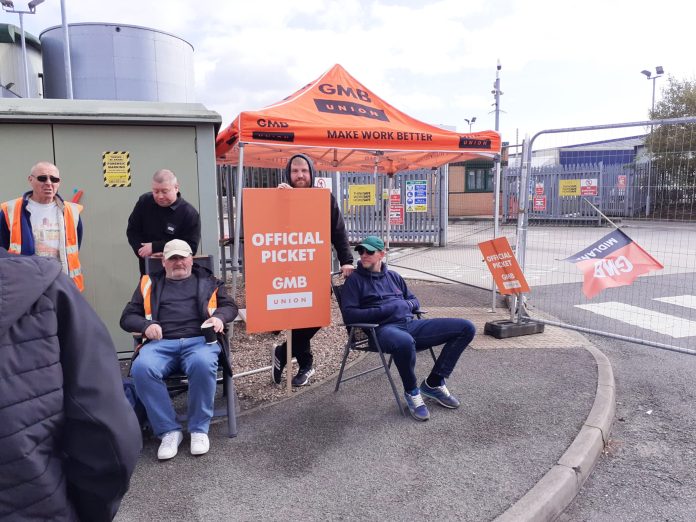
(534, 413)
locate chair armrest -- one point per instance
(362, 325)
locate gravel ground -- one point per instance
(252, 351)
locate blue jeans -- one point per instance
(402, 340)
(158, 359)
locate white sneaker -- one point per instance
(170, 445)
(200, 444)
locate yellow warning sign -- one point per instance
(117, 169)
(569, 187)
(361, 195)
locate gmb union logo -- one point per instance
(612, 267)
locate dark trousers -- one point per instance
(402, 340)
(300, 346)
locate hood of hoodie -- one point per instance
(311, 169)
(22, 281)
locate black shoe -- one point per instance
(302, 377)
(278, 361)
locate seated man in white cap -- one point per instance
(169, 309)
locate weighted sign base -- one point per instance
(506, 328)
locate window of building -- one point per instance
(479, 178)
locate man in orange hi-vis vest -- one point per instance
(41, 223)
(169, 308)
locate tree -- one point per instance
(672, 147)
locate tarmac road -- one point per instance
(351, 456)
(649, 470)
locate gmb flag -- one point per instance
(614, 260)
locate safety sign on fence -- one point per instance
(361, 195)
(588, 187)
(539, 203)
(287, 254)
(504, 268)
(396, 214)
(323, 183)
(117, 169)
(417, 195)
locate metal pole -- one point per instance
(66, 53)
(237, 221)
(523, 202)
(24, 56)
(650, 162)
(390, 184)
(496, 182)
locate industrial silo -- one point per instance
(12, 77)
(118, 62)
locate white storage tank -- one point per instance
(12, 77)
(118, 62)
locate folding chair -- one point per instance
(178, 383)
(362, 337)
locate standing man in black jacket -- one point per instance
(299, 173)
(69, 440)
(160, 216)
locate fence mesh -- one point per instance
(582, 189)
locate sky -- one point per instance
(563, 64)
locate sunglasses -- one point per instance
(44, 179)
(362, 250)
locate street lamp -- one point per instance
(8, 6)
(470, 121)
(659, 71)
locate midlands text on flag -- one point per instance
(614, 260)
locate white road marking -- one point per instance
(650, 320)
(687, 301)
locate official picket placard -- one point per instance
(287, 258)
(503, 265)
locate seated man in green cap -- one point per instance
(375, 294)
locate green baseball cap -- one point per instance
(371, 243)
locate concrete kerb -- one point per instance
(558, 487)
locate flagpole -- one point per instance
(601, 213)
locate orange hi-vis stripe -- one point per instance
(71, 244)
(146, 291)
(13, 216)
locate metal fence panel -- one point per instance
(418, 228)
(620, 191)
(652, 199)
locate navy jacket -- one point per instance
(28, 247)
(377, 297)
(339, 236)
(69, 440)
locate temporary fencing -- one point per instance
(649, 194)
